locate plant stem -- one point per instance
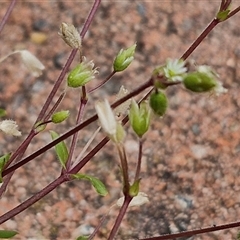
(7, 14)
(54, 107)
(26, 204)
(80, 126)
(140, 142)
(197, 42)
(122, 212)
(103, 82)
(69, 61)
(90, 17)
(82, 104)
(56, 85)
(232, 13)
(124, 166)
(195, 232)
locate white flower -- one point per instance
(208, 70)
(10, 127)
(108, 121)
(139, 200)
(174, 69)
(219, 89)
(106, 117)
(32, 63)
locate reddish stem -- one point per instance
(197, 42)
(122, 212)
(80, 126)
(195, 232)
(26, 204)
(7, 14)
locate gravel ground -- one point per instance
(191, 157)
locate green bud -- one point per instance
(134, 189)
(3, 160)
(39, 126)
(3, 112)
(120, 134)
(222, 15)
(124, 58)
(60, 116)
(139, 117)
(81, 74)
(158, 103)
(199, 82)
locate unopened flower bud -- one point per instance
(134, 189)
(223, 15)
(70, 35)
(159, 103)
(81, 74)
(108, 121)
(199, 82)
(124, 58)
(139, 117)
(59, 117)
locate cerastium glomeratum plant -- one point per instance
(110, 117)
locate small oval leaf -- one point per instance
(61, 150)
(96, 183)
(7, 233)
(82, 238)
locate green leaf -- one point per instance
(96, 183)
(222, 15)
(134, 189)
(3, 160)
(2, 112)
(61, 149)
(7, 234)
(82, 238)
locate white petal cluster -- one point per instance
(218, 89)
(32, 63)
(139, 200)
(10, 127)
(174, 69)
